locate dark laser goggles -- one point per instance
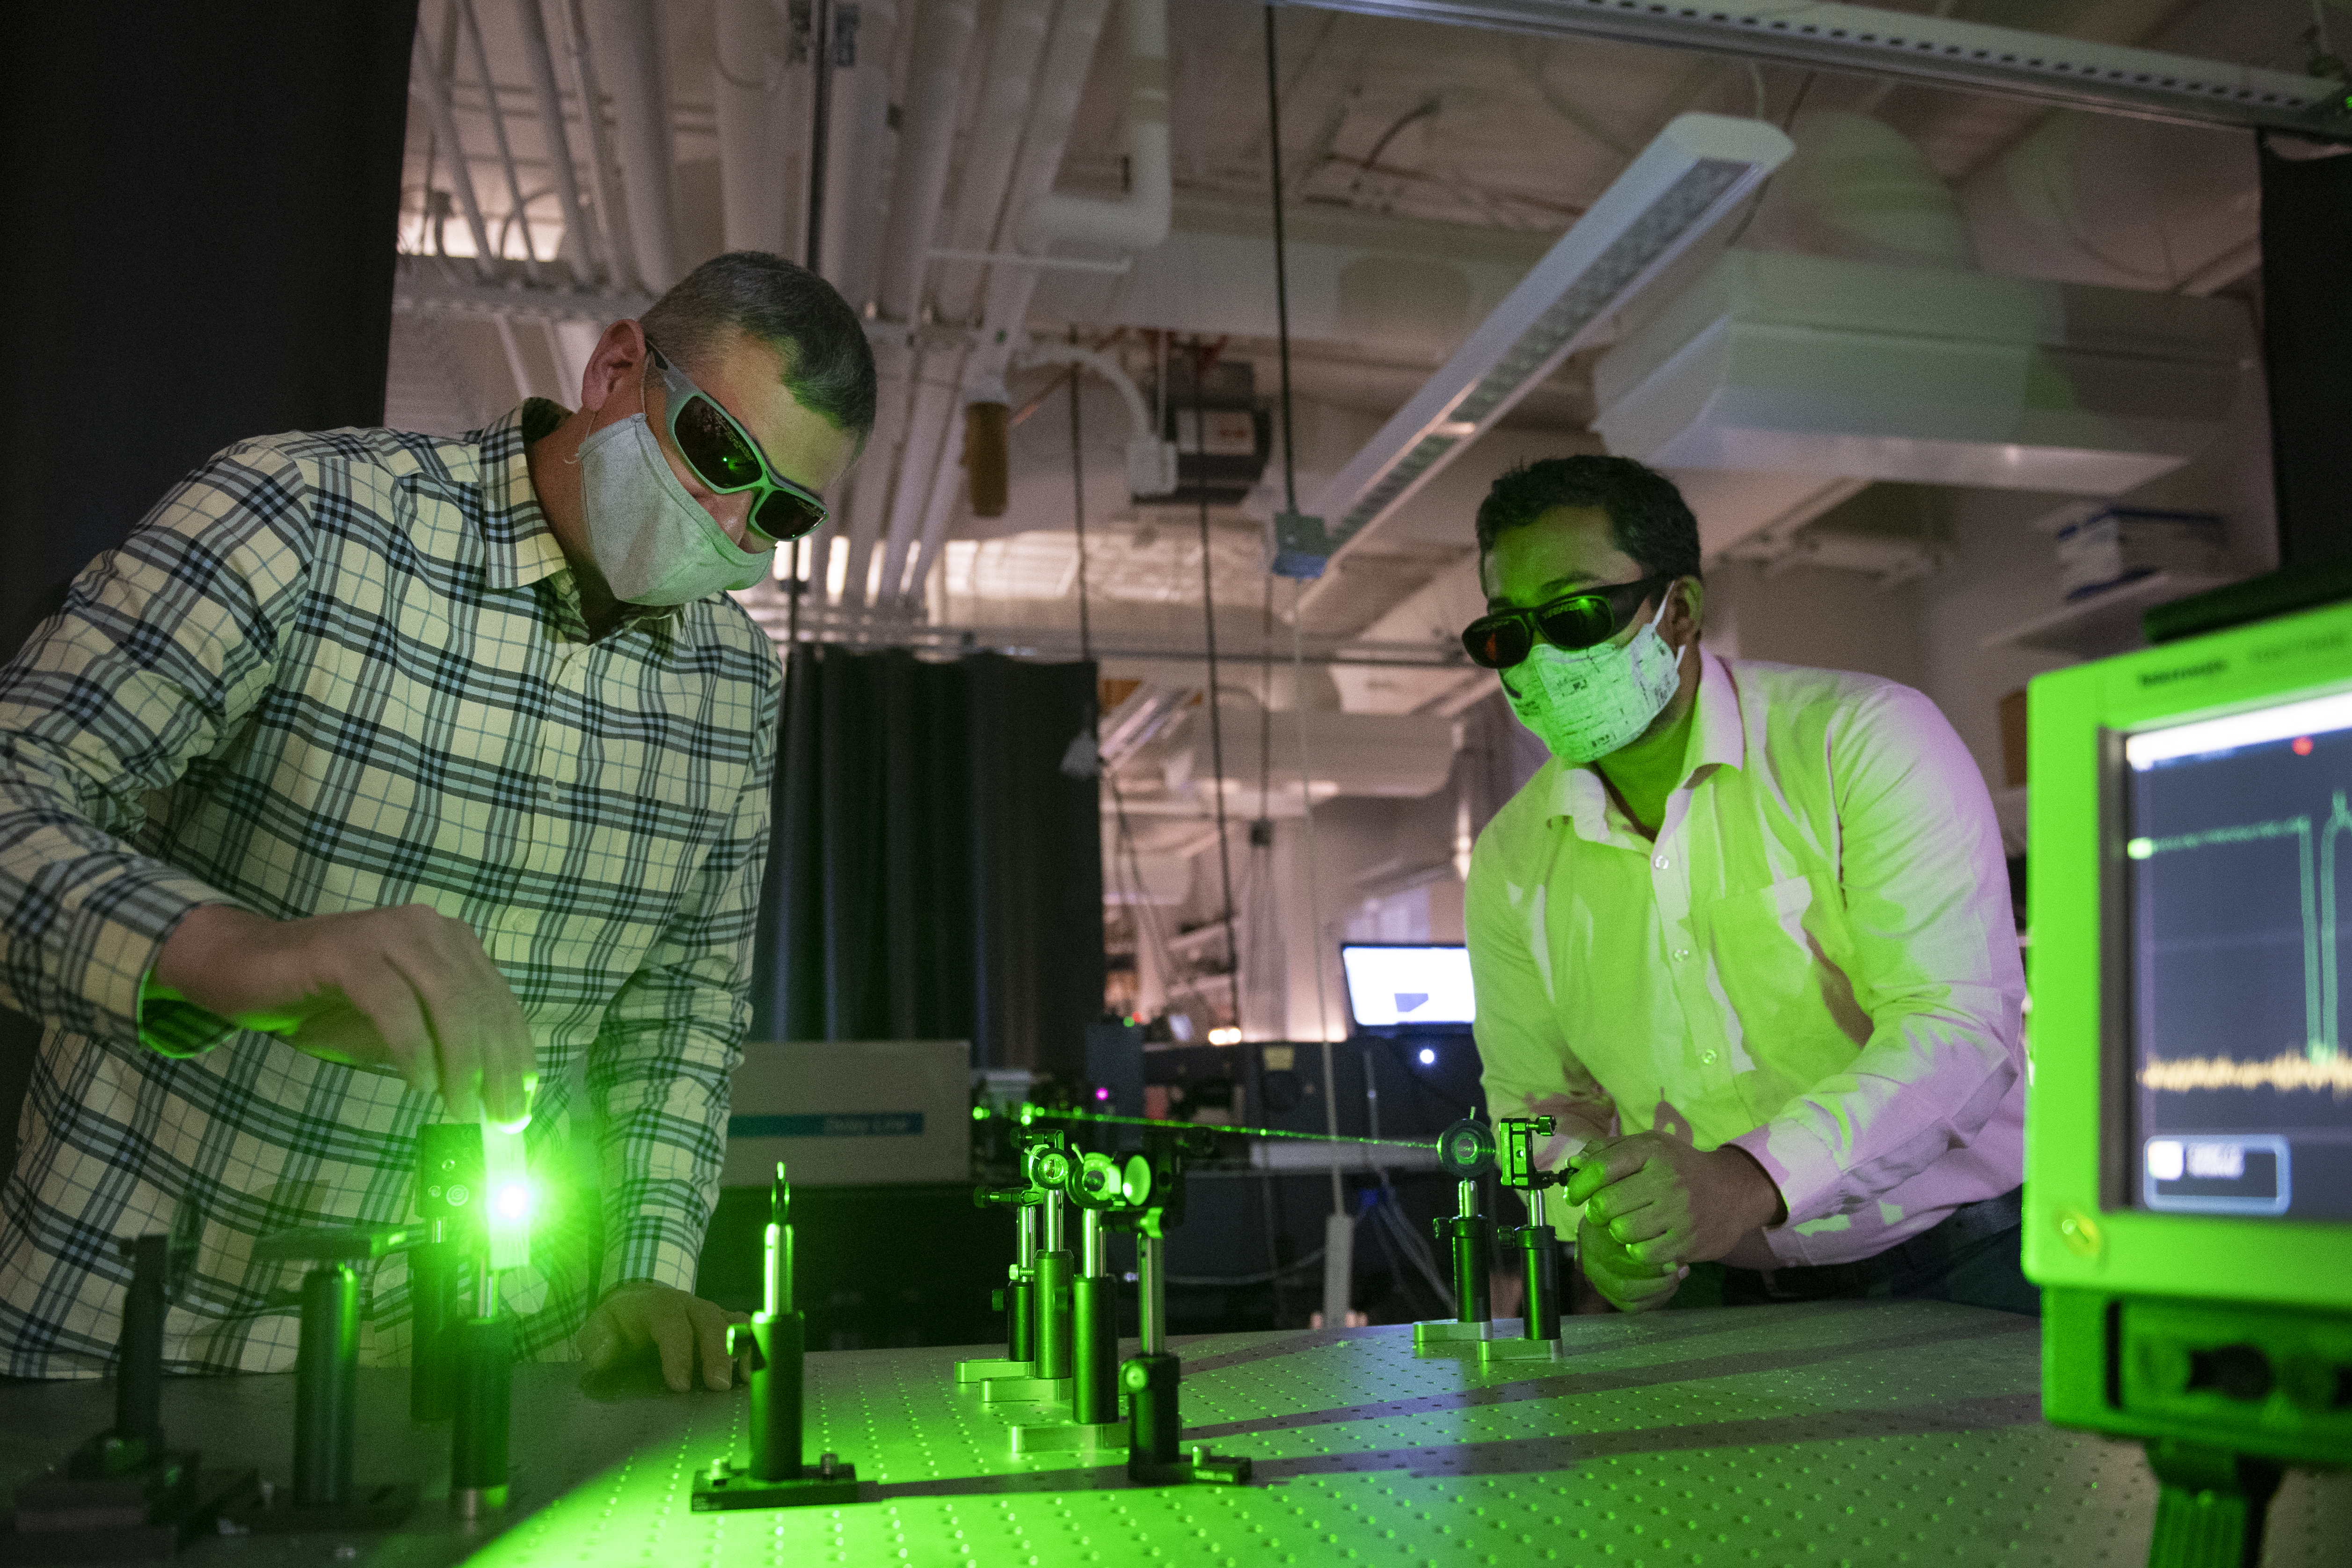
(723, 456)
(1585, 618)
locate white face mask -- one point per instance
(647, 535)
(1587, 702)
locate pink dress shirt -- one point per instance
(1815, 960)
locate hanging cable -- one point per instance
(1209, 624)
(1298, 649)
(1078, 512)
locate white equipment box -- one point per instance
(851, 1112)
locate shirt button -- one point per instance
(1707, 1056)
(1659, 861)
(1682, 953)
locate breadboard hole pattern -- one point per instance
(1882, 1433)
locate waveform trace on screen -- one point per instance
(2311, 1071)
(2315, 859)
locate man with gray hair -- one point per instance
(381, 778)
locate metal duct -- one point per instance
(628, 48)
(759, 96)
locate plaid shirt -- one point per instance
(348, 670)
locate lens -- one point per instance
(1496, 642)
(1467, 1150)
(721, 455)
(781, 515)
(1580, 621)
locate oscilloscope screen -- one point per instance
(2237, 864)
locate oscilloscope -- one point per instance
(2189, 1159)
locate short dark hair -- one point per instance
(1648, 517)
(827, 364)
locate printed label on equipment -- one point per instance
(831, 1124)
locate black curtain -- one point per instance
(200, 204)
(935, 870)
(2307, 351)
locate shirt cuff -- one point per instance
(1800, 1164)
(662, 1247)
(106, 935)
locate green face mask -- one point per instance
(1587, 702)
(650, 539)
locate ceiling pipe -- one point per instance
(935, 422)
(761, 152)
(541, 61)
(1138, 220)
(943, 34)
(865, 43)
(1069, 58)
(603, 162)
(630, 42)
(1151, 461)
(425, 79)
(515, 215)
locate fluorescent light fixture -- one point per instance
(2289, 721)
(1697, 171)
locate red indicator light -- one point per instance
(2303, 745)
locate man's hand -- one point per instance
(406, 988)
(641, 1318)
(1628, 1286)
(1665, 1204)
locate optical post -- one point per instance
(1467, 1152)
(1538, 1244)
(126, 1495)
(775, 1340)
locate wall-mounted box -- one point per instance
(851, 1112)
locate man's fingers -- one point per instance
(383, 996)
(710, 1340)
(597, 1341)
(1602, 1164)
(481, 1020)
(674, 1337)
(1643, 1224)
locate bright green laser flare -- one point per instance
(1028, 1113)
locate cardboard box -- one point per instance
(851, 1112)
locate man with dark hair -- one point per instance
(1746, 938)
(378, 778)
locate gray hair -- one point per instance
(827, 364)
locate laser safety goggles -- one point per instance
(1583, 619)
(723, 456)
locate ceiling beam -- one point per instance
(1861, 40)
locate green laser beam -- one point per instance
(1029, 1113)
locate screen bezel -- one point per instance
(1461, 1029)
(2081, 1232)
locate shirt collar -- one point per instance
(518, 547)
(1719, 737)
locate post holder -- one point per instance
(1467, 1152)
(1537, 1243)
(324, 1495)
(126, 1495)
(775, 1340)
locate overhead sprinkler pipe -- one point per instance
(943, 36)
(1139, 220)
(541, 60)
(426, 80)
(630, 43)
(758, 135)
(1151, 461)
(1053, 108)
(935, 420)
